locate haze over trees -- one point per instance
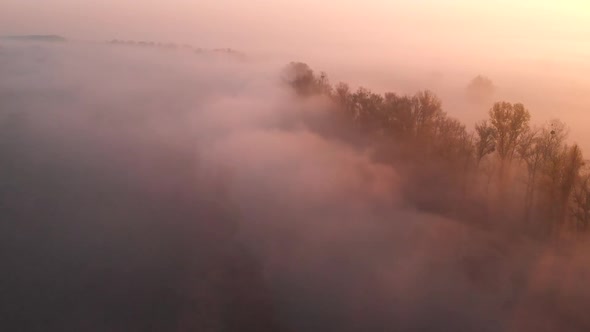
(530, 174)
(172, 192)
(177, 47)
(481, 89)
(36, 38)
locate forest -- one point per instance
(527, 179)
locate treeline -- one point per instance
(174, 46)
(505, 170)
(37, 38)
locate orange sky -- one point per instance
(305, 23)
(537, 50)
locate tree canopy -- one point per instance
(534, 167)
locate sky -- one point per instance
(338, 30)
(382, 44)
(391, 27)
(303, 23)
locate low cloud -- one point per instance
(152, 191)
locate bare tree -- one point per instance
(398, 115)
(580, 205)
(573, 162)
(484, 143)
(510, 122)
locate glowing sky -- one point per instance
(538, 51)
(305, 23)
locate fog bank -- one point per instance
(153, 191)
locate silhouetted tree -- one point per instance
(426, 110)
(303, 79)
(510, 122)
(480, 89)
(531, 153)
(398, 115)
(572, 163)
(580, 205)
(484, 143)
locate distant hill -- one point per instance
(45, 38)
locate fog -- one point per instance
(147, 190)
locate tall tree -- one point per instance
(510, 122)
(573, 161)
(484, 143)
(426, 109)
(530, 151)
(580, 205)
